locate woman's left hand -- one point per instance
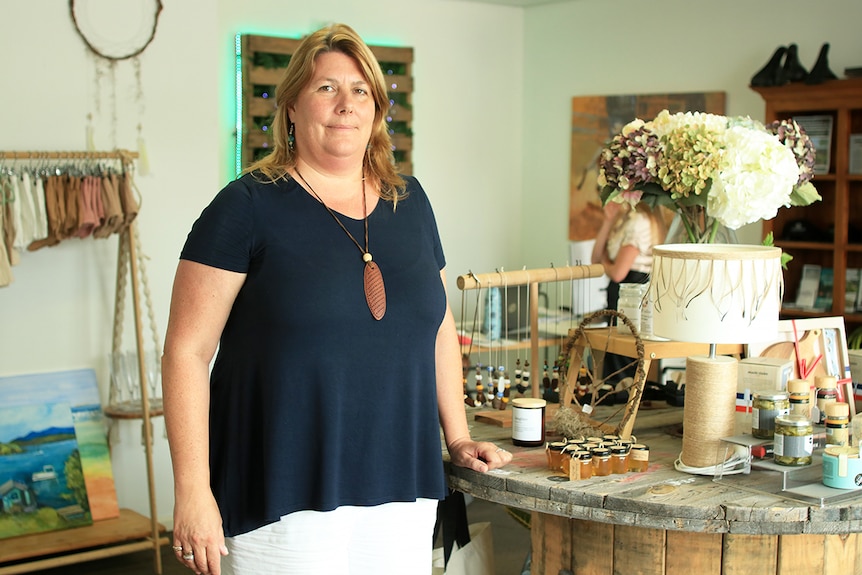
(479, 456)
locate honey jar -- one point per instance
(619, 459)
(638, 457)
(601, 460)
(554, 452)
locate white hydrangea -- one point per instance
(755, 178)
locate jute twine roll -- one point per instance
(710, 408)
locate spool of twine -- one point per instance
(710, 409)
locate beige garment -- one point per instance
(6, 276)
(55, 214)
(127, 198)
(9, 231)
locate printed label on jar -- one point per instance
(527, 424)
(794, 445)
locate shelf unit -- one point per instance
(837, 215)
(262, 60)
(131, 531)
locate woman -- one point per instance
(624, 248)
(315, 446)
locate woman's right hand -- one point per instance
(198, 532)
(611, 210)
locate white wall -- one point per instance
(595, 47)
(58, 313)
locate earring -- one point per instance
(291, 139)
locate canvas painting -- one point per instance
(41, 479)
(79, 389)
(595, 120)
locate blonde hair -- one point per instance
(379, 162)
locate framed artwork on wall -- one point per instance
(595, 120)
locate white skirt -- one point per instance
(389, 539)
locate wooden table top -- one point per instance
(660, 498)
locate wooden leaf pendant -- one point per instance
(375, 291)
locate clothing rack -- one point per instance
(120, 538)
(531, 278)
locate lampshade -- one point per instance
(716, 293)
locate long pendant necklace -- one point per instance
(375, 291)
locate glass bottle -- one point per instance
(827, 392)
(800, 396)
(629, 305)
(838, 424)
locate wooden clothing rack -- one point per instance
(531, 278)
(130, 532)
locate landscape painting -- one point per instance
(41, 479)
(79, 389)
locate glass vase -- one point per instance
(691, 225)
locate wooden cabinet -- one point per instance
(261, 61)
(834, 224)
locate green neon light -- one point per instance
(238, 101)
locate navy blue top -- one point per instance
(314, 403)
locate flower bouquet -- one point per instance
(711, 170)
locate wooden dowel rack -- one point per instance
(531, 278)
(119, 542)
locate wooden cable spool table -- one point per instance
(662, 521)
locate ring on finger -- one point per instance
(188, 556)
(177, 548)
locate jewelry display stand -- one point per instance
(530, 278)
(130, 532)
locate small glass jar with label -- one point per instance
(794, 440)
(838, 424)
(799, 391)
(765, 407)
(619, 459)
(638, 457)
(601, 460)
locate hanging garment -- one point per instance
(113, 207)
(9, 231)
(37, 188)
(28, 210)
(6, 276)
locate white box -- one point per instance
(756, 374)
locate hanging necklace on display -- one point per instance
(375, 291)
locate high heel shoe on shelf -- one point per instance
(820, 72)
(772, 73)
(793, 70)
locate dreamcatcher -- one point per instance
(586, 387)
(115, 31)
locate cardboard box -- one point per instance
(755, 374)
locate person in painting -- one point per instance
(624, 248)
(314, 445)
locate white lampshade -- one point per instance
(716, 293)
